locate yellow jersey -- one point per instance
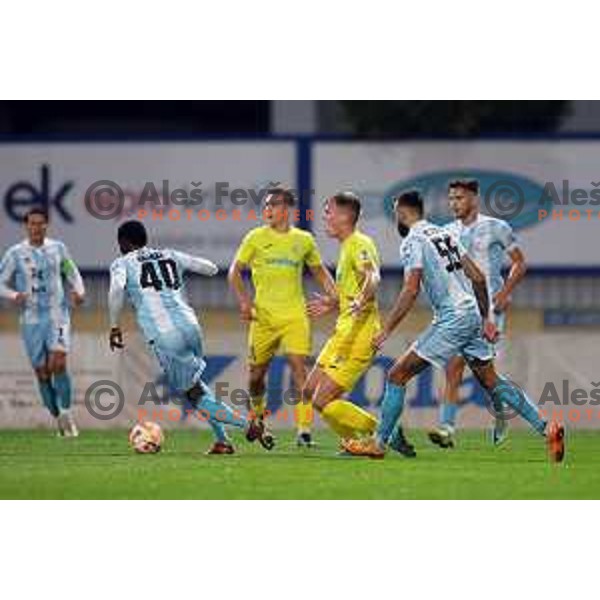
(277, 260)
(357, 251)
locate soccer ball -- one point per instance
(146, 438)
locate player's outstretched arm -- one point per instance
(196, 264)
(404, 303)
(237, 285)
(518, 268)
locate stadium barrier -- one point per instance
(558, 370)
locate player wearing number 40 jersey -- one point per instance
(152, 278)
(38, 269)
(462, 325)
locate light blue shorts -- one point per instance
(44, 337)
(180, 355)
(453, 337)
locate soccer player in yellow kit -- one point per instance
(349, 352)
(276, 254)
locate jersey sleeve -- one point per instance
(313, 256)
(364, 256)
(70, 271)
(8, 266)
(246, 251)
(411, 254)
(116, 293)
(195, 264)
(506, 236)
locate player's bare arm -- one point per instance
(518, 268)
(322, 304)
(475, 274)
(324, 279)
(371, 279)
(403, 305)
(18, 298)
(236, 283)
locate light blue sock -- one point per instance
(48, 396)
(219, 411)
(498, 405)
(391, 409)
(509, 393)
(448, 412)
(62, 385)
(218, 430)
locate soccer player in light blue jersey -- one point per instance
(491, 243)
(152, 278)
(462, 324)
(33, 274)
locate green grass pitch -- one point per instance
(34, 464)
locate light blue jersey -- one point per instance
(41, 273)
(152, 279)
(487, 241)
(438, 253)
(456, 326)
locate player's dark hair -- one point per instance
(133, 232)
(349, 200)
(285, 193)
(471, 185)
(38, 210)
(411, 199)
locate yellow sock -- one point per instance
(303, 414)
(258, 404)
(349, 420)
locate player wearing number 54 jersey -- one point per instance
(462, 325)
(152, 278)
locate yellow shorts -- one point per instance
(346, 356)
(266, 337)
